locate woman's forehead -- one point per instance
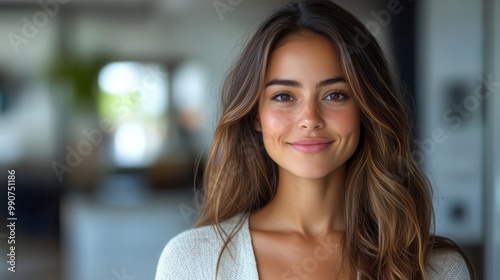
(299, 57)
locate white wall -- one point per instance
(450, 49)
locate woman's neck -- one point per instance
(310, 207)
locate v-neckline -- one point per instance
(247, 237)
(249, 249)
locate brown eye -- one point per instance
(336, 96)
(282, 97)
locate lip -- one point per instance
(311, 145)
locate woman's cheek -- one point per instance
(275, 121)
(346, 121)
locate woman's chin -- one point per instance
(311, 174)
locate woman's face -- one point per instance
(308, 119)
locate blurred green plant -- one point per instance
(82, 75)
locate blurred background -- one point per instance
(105, 106)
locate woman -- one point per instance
(310, 174)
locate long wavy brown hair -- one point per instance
(387, 198)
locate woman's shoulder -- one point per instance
(202, 236)
(184, 242)
(447, 264)
(179, 256)
(191, 253)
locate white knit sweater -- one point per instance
(193, 254)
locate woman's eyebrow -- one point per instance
(283, 82)
(294, 83)
(330, 81)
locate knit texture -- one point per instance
(193, 254)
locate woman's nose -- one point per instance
(310, 116)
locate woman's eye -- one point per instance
(282, 97)
(336, 96)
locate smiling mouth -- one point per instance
(311, 148)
